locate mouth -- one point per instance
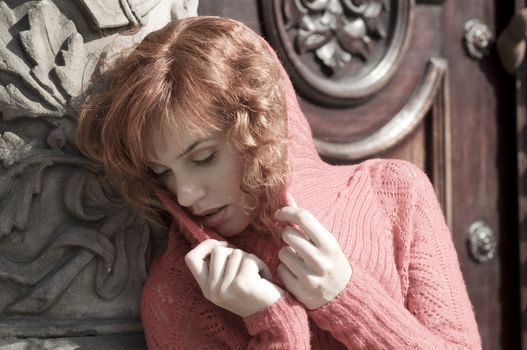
(213, 217)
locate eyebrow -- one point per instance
(191, 147)
(187, 150)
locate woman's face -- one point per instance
(205, 176)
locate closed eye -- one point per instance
(205, 161)
(161, 173)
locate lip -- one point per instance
(207, 212)
(212, 220)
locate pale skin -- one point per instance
(314, 268)
(204, 174)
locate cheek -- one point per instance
(170, 184)
(230, 177)
(233, 186)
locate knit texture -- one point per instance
(406, 290)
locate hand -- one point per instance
(314, 268)
(232, 279)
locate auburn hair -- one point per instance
(205, 73)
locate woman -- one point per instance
(202, 120)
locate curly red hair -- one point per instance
(214, 69)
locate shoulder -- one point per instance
(399, 185)
(396, 176)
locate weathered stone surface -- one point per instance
(73, 256)
(116, 342)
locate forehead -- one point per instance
(167, 141)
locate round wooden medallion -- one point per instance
(339, 52)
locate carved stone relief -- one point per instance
(73, 256)
(340, 51)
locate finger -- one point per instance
(301, 245)
(314, 230)
(292, 261)
(291, 201)
(195, 260)
(289, 279)
(217, 265)
(233, 266)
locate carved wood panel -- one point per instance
(439, 108)
(521, 157)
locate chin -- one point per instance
(232, 230)
(237, 222)
(229, 231)
(228, 234)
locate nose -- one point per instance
(188, 190)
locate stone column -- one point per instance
(73, 256)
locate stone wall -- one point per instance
(73, 256)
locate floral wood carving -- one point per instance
(337, 31)
(340, 51)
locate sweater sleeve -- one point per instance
(282, 325)
(437, 313)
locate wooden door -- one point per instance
(521, 131)
(416, 80)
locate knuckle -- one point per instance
(289, 230)
(189, 257)
(288, 233)
(224, 289)
(237, 253)
(303, 215)
(331, 242)
(218, 250)
(213, 255)
(282, 272)
(323, 266)
(252, 257)
(239, 285)
(312, 283)
(207, 293)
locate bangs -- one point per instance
(180, 111)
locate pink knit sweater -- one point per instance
(406, 290)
